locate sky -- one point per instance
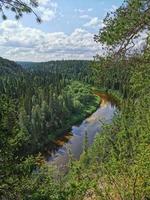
(66, 31)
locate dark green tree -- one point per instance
(19, 8)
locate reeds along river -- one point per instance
(73, 141)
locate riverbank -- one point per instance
(74, 142)
(114, 95)
(76, 119)
(85, 112)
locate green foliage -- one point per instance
(8, 67)
(11, 140)
(36, 104)
(47, 99)
(19, 8)
(117, 165)
(118, 162)
(124, 25)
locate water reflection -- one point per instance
(91, 126)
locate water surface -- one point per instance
(73, 142)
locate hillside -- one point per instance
(71, 69)
(50, 109)
(9, 67)
(49, 98)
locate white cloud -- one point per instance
(82, 11)
(18, 42)
(43, 2)
(139, 42)
(90, 9)
(78, 10)
(85, 17)
(112, 9)
(46, 14)
(47, 9)
(94, 22)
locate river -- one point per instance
(73, 141)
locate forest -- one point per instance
(47, 100)
(39, 101)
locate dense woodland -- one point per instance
(47, 100)
(34, 102)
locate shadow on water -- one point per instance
(73, 141)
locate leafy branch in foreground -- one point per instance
(19, 7)
(124, 26)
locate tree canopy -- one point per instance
(19, 7)
(124, 25)
(37, 102)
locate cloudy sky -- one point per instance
(66, 32)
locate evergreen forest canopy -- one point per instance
(48, 98)
(38, 99)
